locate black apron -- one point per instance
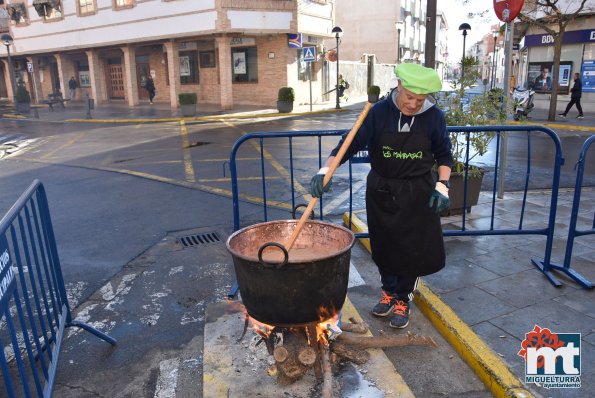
(405, 233)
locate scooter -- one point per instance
(523, 102)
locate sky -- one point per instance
(457, 13)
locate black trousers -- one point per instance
(399, 286)
(573, 101)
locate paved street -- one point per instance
(122, 195)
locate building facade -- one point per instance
(227, 51)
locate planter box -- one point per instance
(285, 106)
(188, 109)
(373, 98)
(457, 190)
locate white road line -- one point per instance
(167, 381)
(355, 279)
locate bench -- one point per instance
(55, 98)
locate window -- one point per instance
(17, 13)
(188, 67)
(244, 64)
(54, 12)
(119, 4)
(86, 6)
(207, 59)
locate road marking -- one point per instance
(11, 145)
(355, 279)
(49, 154)
(336, 202)
(167, 381)
(188, 167)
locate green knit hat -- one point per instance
(418, 79)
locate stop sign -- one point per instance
(508, 10)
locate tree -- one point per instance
(553, 16)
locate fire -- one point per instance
(329, 326)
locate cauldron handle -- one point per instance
(271, 265)
(297, 207)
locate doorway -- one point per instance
(115, 80)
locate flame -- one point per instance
(262, 329)
(328, 327)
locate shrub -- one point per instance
(22, 95)
(187, 98)
(374, 90)
(286, 94)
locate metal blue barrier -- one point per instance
(573, 232)
(33, 302)
(548, 230)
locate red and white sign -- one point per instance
(508, 10)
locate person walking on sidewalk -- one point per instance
(405, 135)
(72, 86)
(150, 87)
(576, 93)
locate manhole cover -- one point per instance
(199, 239)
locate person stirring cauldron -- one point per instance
(405, 135)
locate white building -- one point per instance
(228, 52)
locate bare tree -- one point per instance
(553, 16)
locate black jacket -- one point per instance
(577, 90)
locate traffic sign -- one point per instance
(309, 54)
(29, 67)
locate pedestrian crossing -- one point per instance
(11, 144)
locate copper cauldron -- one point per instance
(292, 288)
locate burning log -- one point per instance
(386, 341)
(294, 358)
(355, 327)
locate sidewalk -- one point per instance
(489, 284)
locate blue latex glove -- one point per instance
(316, 188)
(439, 198)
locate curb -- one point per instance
(556, 126)
(492, 371)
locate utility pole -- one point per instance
(430, 50)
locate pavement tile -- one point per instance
(457, 249)
(513, 289)
(506, 262)
(474, 305)
(503, 344)
(456, 275)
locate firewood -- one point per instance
(307, 356)
(327, 384)
(280, 354)
(350, 353)
(386, 341)
(360, 328)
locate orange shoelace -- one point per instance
(386, 299)
(400, 308)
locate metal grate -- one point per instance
(199, 239)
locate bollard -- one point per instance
(90, 105)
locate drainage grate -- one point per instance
(199, 239)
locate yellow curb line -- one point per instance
(203, 118)
(492, 371)
(557, 126)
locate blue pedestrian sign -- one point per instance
(309, 54)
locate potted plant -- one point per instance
(285, 98)
(373, 94)
(187, 103)
(462, 110)
(23, 99)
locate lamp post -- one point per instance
(464, 27)
(337, 31)
(398, 25)
(495, 35)
(7, 41)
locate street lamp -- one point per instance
(399, 25)
(7, 41)
(337, 31)
(464, 27)
(495, 35)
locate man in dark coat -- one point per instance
(405, 135)
(576, 93)
(150, 87)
